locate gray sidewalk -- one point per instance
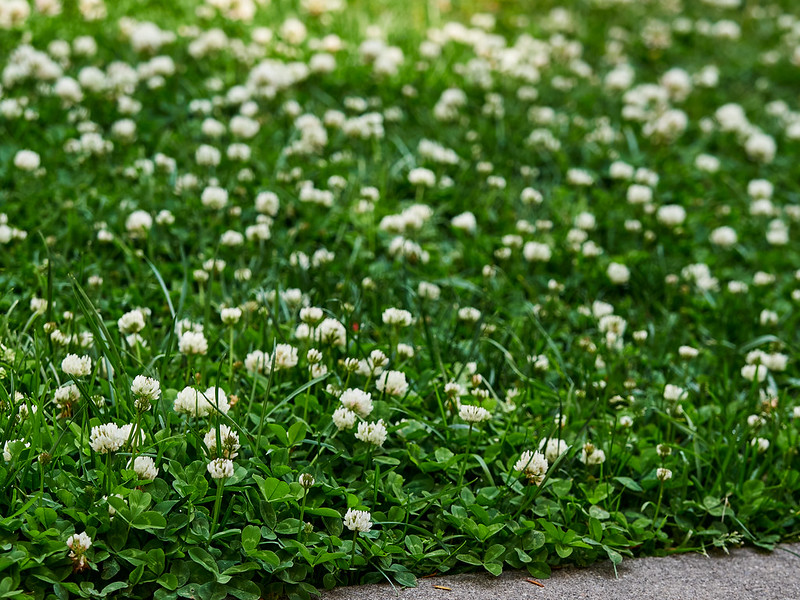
(745, 574)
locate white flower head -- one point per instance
(359, 401)
(106, 438)
(220, 468)
(145, 390)
(76, 366)
(230, 442)
(230, 316)
(193, 342)
(372, 433)
(533, 465)
(591, 455)
(392, 383)
(131, 322)
(554, 448)
(344, 418)
(358, 520)
(78, 544)
(473, 414)
(145, 467)
(199, 404)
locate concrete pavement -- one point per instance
(745, 574)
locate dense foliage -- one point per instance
(296, 295)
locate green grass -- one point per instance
(553, 349)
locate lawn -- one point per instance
(302, 294)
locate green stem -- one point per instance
(376, 476)
(466, 458)
(217, 505)
(367, 456)
(230, 360)
(134, 436)
(524, 504)
(353, 555)
(658, 504)
(108, 472)
(307, 395)
(302, 514)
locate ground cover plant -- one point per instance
(304, 294)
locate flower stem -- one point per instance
(376, 477)
(353, 555)
(658, 504)
(108, 472)
(302, 514)
(466, 458)
(217, 506)
(230, 359)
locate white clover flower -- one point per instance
(358, 520)
(230, 316)
(78, 544)
(372, 433)
(688, 352)
(106, 438)
(671, 215)
(145, 467)
(754, 372)
(768, 317)
(214, 197)
(465, 221)
(344, 418)
(473, 414)
(422, 177)
(392, 383)
(199, 404)
(230, 442)
(311, 314)
(591, 455)
(469, 314)
(533, 465)
(760, 444)
(138, 223)
(359, 401)
(285, 357)
(398, 317)
(674, 393)
(27, 160)
(405, 351)
(267, 203)
(536, 252)
(725, 237)
(663, 474)
(38, 305)
(330, 331)
(220, 468)
(618, 273)
(145, 391)
(76, 366)
(554, 448)
(131, 322)
(639, 194)
(192, 342)
(256, 361)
